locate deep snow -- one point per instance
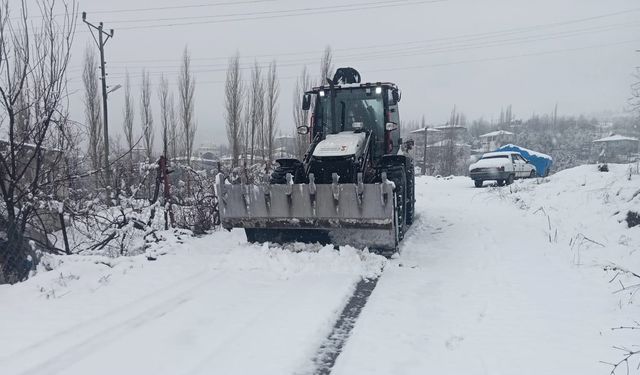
(493, 280)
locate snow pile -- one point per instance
(587, 211)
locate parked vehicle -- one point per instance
(541, 161)
(502, 167)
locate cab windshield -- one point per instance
(352, 106)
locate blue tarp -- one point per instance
(541, 161)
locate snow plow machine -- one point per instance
(355, 184)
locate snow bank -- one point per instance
(588, 210)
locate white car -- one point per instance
(502, 166)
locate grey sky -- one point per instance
(439, 53)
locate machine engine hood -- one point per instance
(342, 144)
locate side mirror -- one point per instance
(391, 126)
(397, 95)
(306, 102)
(302, 130)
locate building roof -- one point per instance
(285, 137)
(421, 130)
(445, 143)
(493, 134)
(454, 127)
(616, 138)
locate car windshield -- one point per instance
(352, 105)
(495, 157)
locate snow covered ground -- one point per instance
(210, 305)
(490, 281)
(482, 288)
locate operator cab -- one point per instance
(358, 107)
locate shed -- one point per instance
(616, 148)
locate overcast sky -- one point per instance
(480, 55)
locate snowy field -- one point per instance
(510, 280)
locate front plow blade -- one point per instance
(360, 215)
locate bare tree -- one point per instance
(245, 130)
(300, 116)
(326, 65)
(448, 145)
(34, 54)
(423, 124)
(256, 109)
(186, 90)
(271, 103)
(128, 114)
(92, 108)
(233, 106)
(634, 101)
(23, 113)
(165, 115)
(174, 131)
(146, 116)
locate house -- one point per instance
(446, 150)
(455, 132)
(285, 146)
(616, 149)
(418, 136)
(209, 152)
(493, 140)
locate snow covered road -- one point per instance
(195, 311)
(487, 284)
(480, 290)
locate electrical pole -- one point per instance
(103, 37)
(424, 148)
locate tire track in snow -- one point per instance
(332, 346)
(125, 309)
(79, 349)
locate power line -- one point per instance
(470, 61)
(497, 58)
(301, 12)
(207, 5)
(414, 51)
(482, 35)
(268, 12)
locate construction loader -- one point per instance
(355, 184)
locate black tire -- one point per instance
(478, 183)
(500, 182)
(533, 174)
(279, 175)
(510, 179)
(398, 176)
(411, 193)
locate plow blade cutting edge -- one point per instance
(360, 215)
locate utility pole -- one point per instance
(103, 37)
(424, 148)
